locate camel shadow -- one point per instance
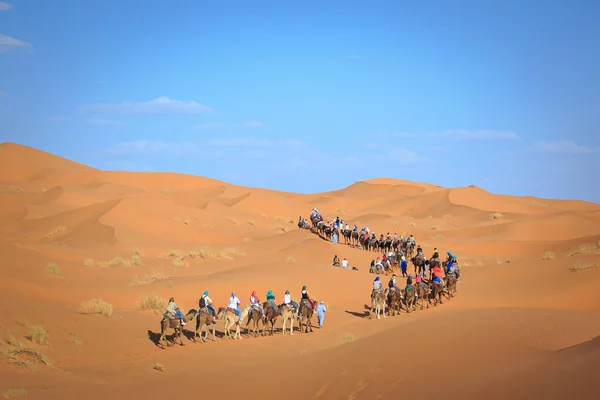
(363, 314)
(155, 337)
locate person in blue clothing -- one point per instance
(403, 266)
(321, 313)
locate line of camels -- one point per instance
(205, 321)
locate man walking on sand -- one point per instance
(321, 313)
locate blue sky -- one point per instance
(306, 96)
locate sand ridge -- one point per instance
(527, 301)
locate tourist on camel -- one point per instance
(234, 304)
(305, 296)
(392, 284)
(206, 301)
(287, 300)
(255, 302)
(336, 261)
(449, 257)
(409, 283)
(437, 274)
(456, 268)
(395, 236)
(355, 228)
(345, 264)
(372, 267)
(436, 255)
(378, 264)
(419, 251)
(377, 284)
(173, 311)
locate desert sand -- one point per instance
(525, 321)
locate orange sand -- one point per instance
(519, 326)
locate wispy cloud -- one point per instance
(215, 126)
(105, 122)
(159, 106)
(8, 43)
(562, 147)
(484, 134)
(4, 6)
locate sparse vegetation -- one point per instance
(38, 335)
(349, 337)
(227, 253)
(586, 248)
(88, 262)
(143, 188)
(115, 262)
(291, 259)
(165, 190)
(412, 224)
(151, 302)
(56, 231)
(246, 240)
(13, 187)
(187, 222)
(149, 278)
(174, 253)
(437, 237)
(159, 367)
(54, 270)
(178, 262)
(549, 255)
(176, 219)
(136, 251)
(447, 216)
(23, 355)
(583, 267)
(96, 306)
(135, 260)
(497, 215)
(252, 223)
(15, 394)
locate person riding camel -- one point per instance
(206, 301)
(234, 304)
(377, 285)
(336, 261)
(436, 255)
(409, 283)
(255, 302)
(385, 261)
(437, 274)
(449, 257)
(388, 236)
(381, 237)
(270, 300)
(355, 228)
(419, 251)
(378, 264)
(287, 301)
(392, 284)
(173, 311)
(372, 267)
(305, 296)
(456, 267)
(395, 237)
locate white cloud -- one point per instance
(214, 126)
(4, 6)
(7, 43)
(105, 122)
(159, 106)
(483, 134)
(562, 147)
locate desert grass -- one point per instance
(176, 219)
(73, 338)
(586, 248)
(584, 267)
(96, 306)
(115, 262)
(497, 215)
(54, 270)
(437, 237)
(246, 240)
(280, 218)
(187, 222)
(88, 262)
(15, 394)
(136, 251)
(166, 190)
(349, 338)
(24, 355)
(179, 262)
(159, 367)
(151, 302)
(148, 278)
(225, 253)
(56, 231)
(291, 259)
(549, 255)
(13, 187)
(143, 188)
(135, 260)
(38, 335)
(174, 253)
(447, 216)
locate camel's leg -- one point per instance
(292, 326)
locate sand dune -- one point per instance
(524, 322)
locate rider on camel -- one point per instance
(377, 284)
(287, 300)
(173, 310)
(255, 302)
(234, 304)
(392, 284)
(388, 236)
(305, 296)
(206, 301)
(436, 255)
(270, 299)
(355, 228)
(419, 251)
(409, 283)
(449, 257)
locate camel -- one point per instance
(450, 282)
(271, 312)
(231, 318)
(378, 300)
(423, 294)
(436, 293)
(419, 264)
(306, 313)
(409, 298)
(394, 301)
(288, 314)
(256, 317)
(175, 324)
(205, 319)
(354, 237)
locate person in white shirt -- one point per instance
(234, 304)
(345, 263)
(287, 300)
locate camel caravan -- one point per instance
(259, 317)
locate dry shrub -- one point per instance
(246, 240)
(88, 262)
(148, 278)
(96, 306)
(151, 302)
(178, 262)
(412, 224)
(115, 262)
(187, 222)
(291, 259)
(174, 253)
(136, 251)
(549, 255)
(15, 394)
(135, 260)
(23, 355)
(226, 253)
(38, 335)
(54, 270)
(159, 367)
(586, 248)
(437, 237)
(143, 188)
(497, 215)
(252, 223)
(349, 337)
(583, 267)
(435, 228)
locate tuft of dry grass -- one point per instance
(187, 222)
(251, 223)
(291, 259)
(38, 335)
(437, 237)
(549, 255)
(13, 187)
(136, 251)
(88, 262)
(176, 219)
(151, 302)
(15, 394)
(246, 240)
(115, 262)
(165, 190)
(135, 260)
(583, 267)
(159, 367)
(447, 216)
(226, 253)
(54, 270)
(56, 231)
(586, 248)
(148, 278)
(143, 188)
(178, 262)
(96, 306)
(497, 215)
(349, 338)
(23, 355)
(174, 253)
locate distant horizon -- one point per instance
(305, 96)
(291, 191)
